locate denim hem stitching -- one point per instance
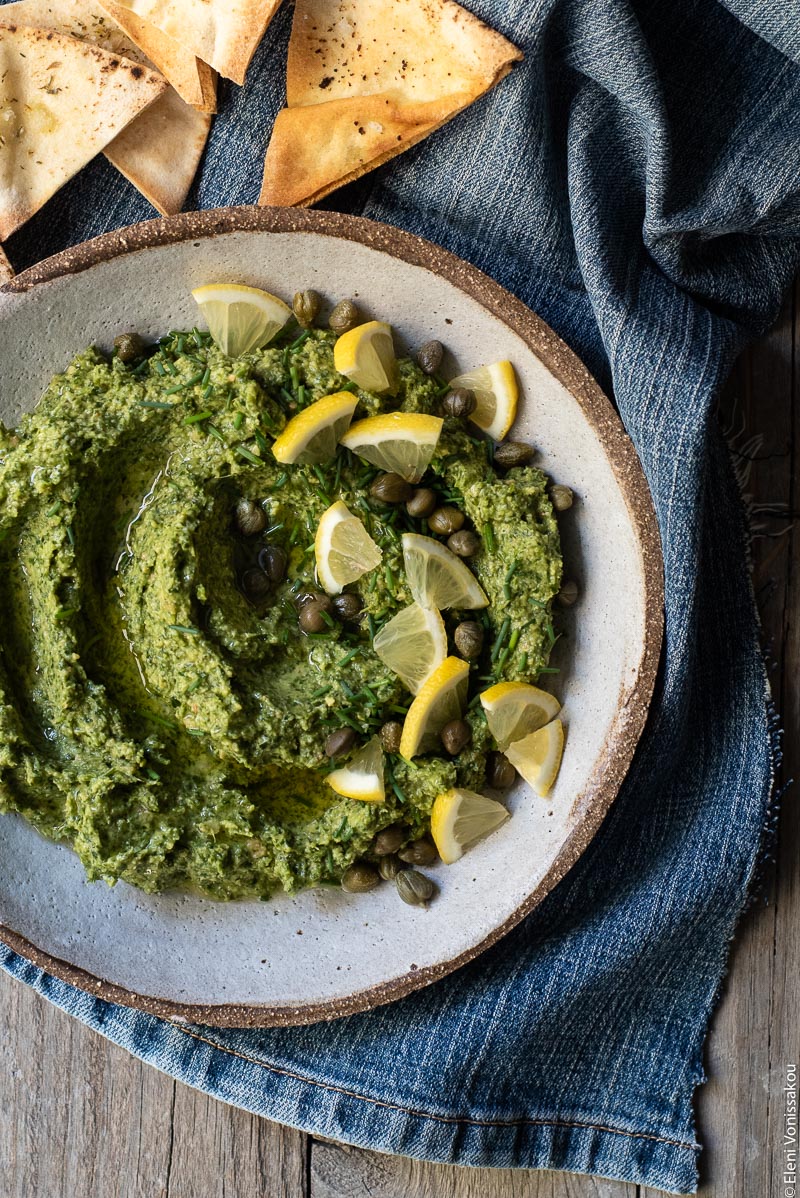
(454, 1119)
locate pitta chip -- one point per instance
(61, 102)
(223, 33)
(367, 80)
(193, 79)
(160, 150)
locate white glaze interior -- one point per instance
(190, 950)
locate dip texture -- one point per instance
(153, 716)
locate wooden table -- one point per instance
(80, 1118)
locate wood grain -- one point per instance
(80, 1117)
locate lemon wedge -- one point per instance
(441, 699)
(412, 644)
(366, 355)
(343, 548)
(514, 709)
(241, 318)
(496, 394)
(460, 818)
(401, 442)
(436, 577)
(538, 756)
(313, 434)
(362, 777)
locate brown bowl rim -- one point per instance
(611, 767)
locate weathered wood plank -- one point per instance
(338, 1171)
(79, 1116)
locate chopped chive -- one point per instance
(513, 640)
(70, 535)
(195, 731)
(488, 536)
(295, 533)
(294, 375)
(373, 581)
(500, 638)
(350, 387)
(140, 369)
(351, 723)
(502, 659)
(207, 390)
(549, 670)
(181, 344)
(261, 441)
(328, 618)
(280, 481)
(237, 420)
(388, 574)
(194, 419)
(343, 826)
(157, 719)
(198, 682)
(247, 455)
(187, 628)
(301, 340)
(56, 507)
(272, 528)
(212, 430)
(169, 366)
(63, 613)
(154, 403)
(397, 709)
(158, 366)
(373, 698)
(507, 580)
(348, 690)
(474, 701)
(371, 626)
(348, 657)
(320, 475)
(152, 775)
(287, 395)
(182, 386)
(206, 376)
(323, 690)
(522, 662)
(301, 395)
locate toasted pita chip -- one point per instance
(61, 102)
(193, 79)
(160, 150)
(223, 33)
(367, 80)
(6, 269)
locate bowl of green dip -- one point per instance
(169, 839)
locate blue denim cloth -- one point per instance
(637, 182)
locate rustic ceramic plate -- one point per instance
(324, 953)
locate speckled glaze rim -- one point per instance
(611, 767)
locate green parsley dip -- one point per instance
(153, 717)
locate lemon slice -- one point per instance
(412, 644)
(401, 442)
(436, 577)
(362, 777)
(514, 709)
(366, 355)
(313, 434)
(496, 394)
(441, 699)
(343, 548)
(241, 318)
(460, 818)
(538, 756)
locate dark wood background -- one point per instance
(80, 1118)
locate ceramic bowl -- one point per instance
(323, 953)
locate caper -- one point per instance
(463, 543)
(273, 561)
(422, 503)
(128, 347)
(255, 584)
(429, 356)
(512, 453)
(250, 517)
(468, 637)
(344, 316)
(305, 306)
(389, 867)
(312, 613)
(391, 488)
(445, 520)
(339, 742)
(460, 403)
(347, 608)
(414, 888)
(419, 852)
(389, 839)
(568, 593)
(391, 733)
(455, 736)
(360, 877)
(561, 497)
(500, 773)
